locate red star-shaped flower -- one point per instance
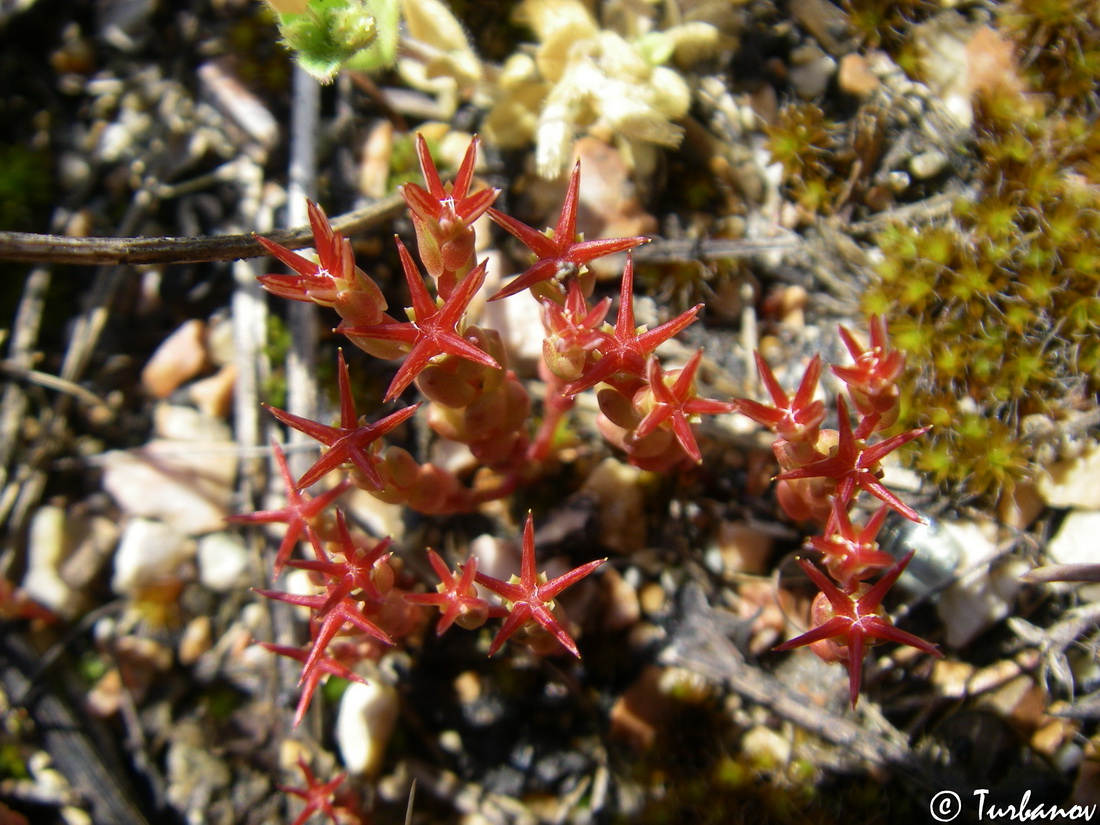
(677, 401)
(447, 209)
(572, 332)
(456, 598)
(559, 252)
(319, 796)
(431, 330)
(852, 555)
(872, 380)
(443, 215)
(855, 620)
(530, 597)
(360, 571)
(299, 514)
(332, 281)
(626, 347)
(311, 676)
(793, 418)
(351, 441)
(856, 464)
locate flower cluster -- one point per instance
(822, 473)
(362, 599)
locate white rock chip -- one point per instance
(188, 486)
(1073, 483)
(364, 725)
(223, 562)
(46, 550)
(149, 552)
(1077, 540)
(982, 596)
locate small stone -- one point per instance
(186, 485)
(623, 608)
(928, 164)
(1020, 506)
(46, 551)
(854, 76)
(364, 725)
(765, 748)
(148, 552)
(214, 395)
(179, 358)
(637, 715)
(743, 548)
(984, 596)
(1076, 543)
(223, 562)
(617, 489)
(810, 71)
(184, 424)
(1073, 483)
(196, 639)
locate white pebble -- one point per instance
(364, 725)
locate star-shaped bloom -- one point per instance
(572, 332)
(676, 402)
(872, 380)
(852, 555)
(855, 464)
(529, 597)
(311, 676)
(443, 216)
(301, 511)
(318, 796)
(348, 443)
(447, 209)
(358, 571)
(331, 281)
(456, 598)
(330, 616)
(559, 252)
(431, 330)
(626, 347)
(856, 621)
(793, 418)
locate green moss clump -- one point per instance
(996, 306)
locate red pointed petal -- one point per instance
(423, 305)
(566, 229)
(531, 238)
(465, 175)
(427, 168)
(555, 586)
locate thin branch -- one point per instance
(60, 249)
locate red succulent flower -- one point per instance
(319, 796)
(530, 597)
(351, 441)
(559, 252)
(626, 347)
(676, 402)
(431, 330)
(872, 380)
(851, 554)
(456, 598)
(312, 674)
(443, 216)
(332, 281)
(793, 418)
(299, 514)
(857, 621)
(855, 464)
